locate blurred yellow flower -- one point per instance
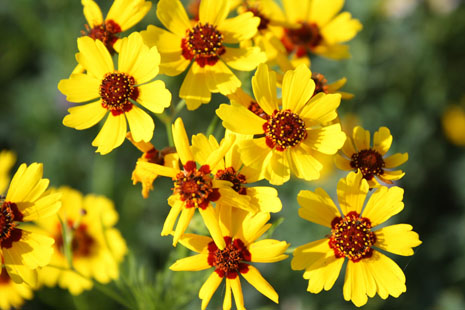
(204, 43)
(7, 160)
(23, 251)
(115, 91)
(358, 155)
(96, 247)
(12, 295)
(232, 254)
(194, 186)
(355, 237)
(289, 135)
(453, 124)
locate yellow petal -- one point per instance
(268, 251)
(172, 15)
(398, 239)
(391, 175)
(195, 243)
(215, 157)
(221, 79)
(25, 179)
(92, 13)
(47, 205)
(321, 109)
(254, 226)
(237, 292)
(209, 288)
(322, 11)
(165, 41)
(111, 135)
(137, 60)
(17, 271)
(341, 29)
(327, 140)
(355, 284)
(348, 148)
(239, 119)
(351, 193)
(7, 160)
(80, 87)
(333, 51)
(84, 116)
(335, 86)
(361, 138)
(317, 207)
(243, 59)
(194, 88)
(342, 162)
(35, 249)
(154, 96)
(298, 88)
(264, 89)
(265, 198)
(127, 13)
(297, 10)
(382, 140)
(202, 148)
(395, 160)
(383, 204)
(191, 263)
(240, 28)
(256, 154)
(181, 141)
(254, 277)
(211, 221)
(158, 169)
(184, 220)
(140, 124)
(227, 303)
(213, 12)
(171, 218)
(94, 57)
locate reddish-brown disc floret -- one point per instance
(237, 179)
(229, 261)
(284, 129)
(369, 162)
(116, 90)
(204, 44)
(303, 39)
(9, 214)
(105, 32)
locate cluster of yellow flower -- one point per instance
(267, 137)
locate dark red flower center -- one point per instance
(195, 186)
(116, 90)
(284, 129)
(4, 277)
(320, 83)
(82, 243)
(237, 179)
(351, 237)
(229, 261)
(105, 33)
(255, 108)
(204, 44)
(303, 39)
(9, 214)
(370, 163)
(264, 21)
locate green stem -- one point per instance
(67, 241)
(212, 125)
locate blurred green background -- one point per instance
(408, 65)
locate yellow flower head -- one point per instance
(96, 246)
(231, 168)
(7, 160)
(232, 254)
(123, 15)
(194, 186)
(318, 28)
(204, 43)
(354, 235)
(115, 91)
(12, 295)
(290, 135)
(370, 160)
(166, 157)
(453, 124)
(23, 251)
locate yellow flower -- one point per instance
(370, 160)
(204, 44)
(318, 28)
(12, 294)
(194, 186)
(453, 124)
(166, 157)
(123, 14)
(7, 160)
(115, 91)
(231, 168)
(291, 134)
(232, 254)
(354, 236)
(23, 251)
(97, 248)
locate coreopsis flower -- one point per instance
(7, 160)
(96, 247)
(165, 157)
(23, 251)
(453, 124)
(371, 161)
(355, 237)
(204, 44)
(286, 137)
(123, 14)
(232, 255)
(12, 295)
(115, 91)
(230, 168)
(318, 28)
(194, 186)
